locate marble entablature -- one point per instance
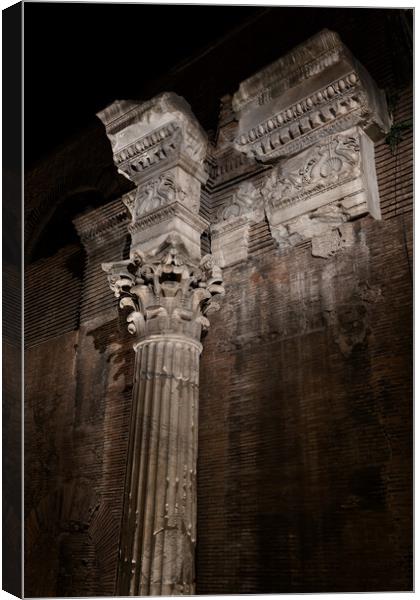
(311, 119)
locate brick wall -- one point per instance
(76, 424)
(304, 473)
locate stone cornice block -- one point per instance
(148, 136)
(160, 146)
(317, 89)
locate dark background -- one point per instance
(81, 57)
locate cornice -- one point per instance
(305, 60)
(317, 89)
(331, 107)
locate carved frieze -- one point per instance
(327, 164)
(154, 194)
(330, 183)
(317, 89)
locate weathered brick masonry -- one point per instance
(305, 431)
(305, 443)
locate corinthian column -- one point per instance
(168, 290)
(168, 297)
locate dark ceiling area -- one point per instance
(80, 57)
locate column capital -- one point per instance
(167, 293)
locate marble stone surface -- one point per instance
(317, 89)
(160, 147)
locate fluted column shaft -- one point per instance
(159, 522)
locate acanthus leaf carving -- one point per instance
(120, 278)
(167, 292)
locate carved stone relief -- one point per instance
(156, 193)
(317, 89)
(231, 227)
(161, 148)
